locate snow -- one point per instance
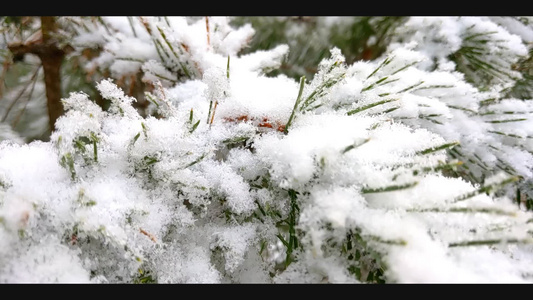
(224, 194)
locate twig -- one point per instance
(5, 66)
(17, 119)
(33, 77)
(151, 236)
(207, 29)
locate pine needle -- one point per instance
(388, 188)
(298, 99)
(490, 242)
(437, 148)
(485, 210)
(486, 189)
(353, 146)
(365, 107)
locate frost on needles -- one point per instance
(376, 171)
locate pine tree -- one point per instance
(389, 168)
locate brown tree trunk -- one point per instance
(52, 58)
(52, 79)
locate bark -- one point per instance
(52, 58)
(52, 78)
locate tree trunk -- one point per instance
(52, 58)
(52, 79)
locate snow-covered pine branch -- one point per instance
(359, 186)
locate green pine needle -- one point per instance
(353, 146)
(235, 140)
(183, 67)
(506, 134)
(374, 84)
(145, 131)
(437, 148)
(298, 99)
(194, 126)
(461, 108)
(365, 107)
(135, 138)
(389, 188)
(384, 63)
(506, 121)
(409, 87)
(405, 67)
(196, 161)
(209, 112)
(490, 242)
(486, 189)
(485, 210)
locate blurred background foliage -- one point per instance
(311, 38)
